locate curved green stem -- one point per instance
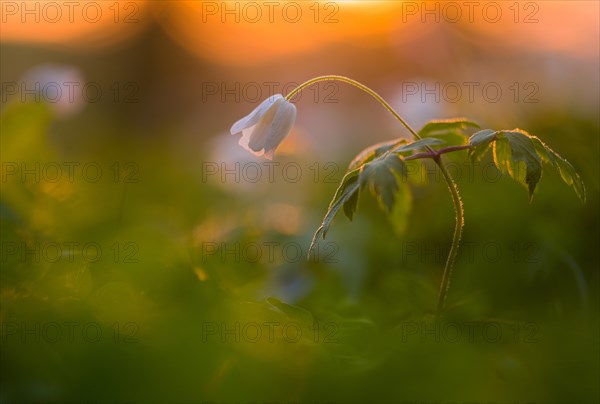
(362, 87)
(458, 209)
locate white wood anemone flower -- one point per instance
(266, 127)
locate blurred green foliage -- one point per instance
(180, 317)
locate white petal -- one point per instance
(245, 139)
(246, 133)
(269, 155)
(253, 117)
(264, 128)
(285, 117)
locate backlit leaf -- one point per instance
(446, 125)
(514, 153)
(401, 210)
(418, 145)
(565, 169)
(348, 187)
(381, 176)
(373, 152)
(480, 143)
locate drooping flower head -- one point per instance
(266, 127)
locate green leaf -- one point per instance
(351, 205)
(381, 176)
(480, 143)
(374, 151)
(345, 192)
(478, 152)
(501, 153)
(515, 153)
(482, 137)
(567, 172)
(418, 145)
(521, 154)
(401, 210)
(446, 125)
(349, 178)
(451, 131)
(451, 138)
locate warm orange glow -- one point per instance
(81, 24)
(550, 26)
(252, 32)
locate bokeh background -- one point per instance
(147, 258)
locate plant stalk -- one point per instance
(459, 212)
(436, 153)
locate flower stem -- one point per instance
(458, 209)
(362, 87)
